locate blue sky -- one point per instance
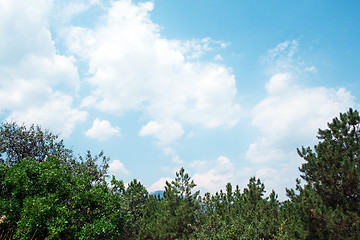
(225, 89)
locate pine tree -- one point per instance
(329, 203)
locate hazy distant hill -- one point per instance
(158, 193)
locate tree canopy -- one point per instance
(19, 141)
(329, 201)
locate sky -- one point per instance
(226, 89)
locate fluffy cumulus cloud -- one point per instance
(32, 72)
(212, 176)
(102, 130)
(165, 133)
(117, 168)
(290, 116)
(133, 68)
(55, 114)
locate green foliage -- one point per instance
(45, 199)
(181, 205)
(236, 215)
(135, 198)
(176, 215)
(333, 169)
(329, 202)
(88, 163)
(19, 142)
(153, 224)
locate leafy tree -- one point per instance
(46, 200)
(19, 142)
(40, 180)
(89, 163)
(329, 202)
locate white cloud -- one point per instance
(56, 114)
(64, 11)
(102, 130)
(279, 82)
(218, 57)
(55, 70)
(311, 69)
(213, 175)
(23, 30)
(281, 58)
(133, 68)
(175, 157)
(263, 150)
(209, 176)
(299, 112)
(283, 52)
(32, 72)
(117, 168)
(289, 117)
(166, 132)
